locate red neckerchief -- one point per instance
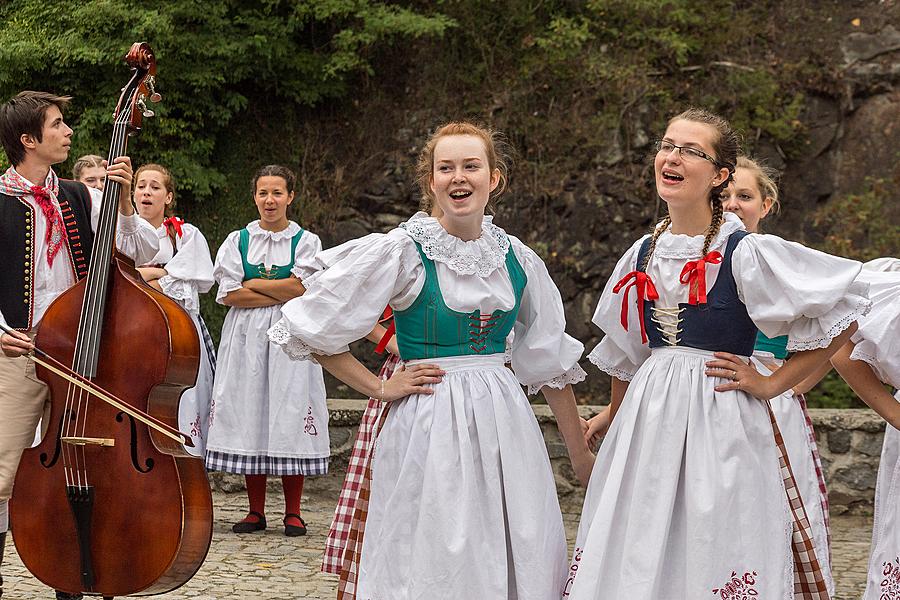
(694, 275)
(645, 291)
(56, 231)
(13, 184)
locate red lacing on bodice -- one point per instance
(480, 327)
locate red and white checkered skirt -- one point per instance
(339, 533)
(809, 581)
(820, 471)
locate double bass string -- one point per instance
(87, 348)
(106, 242)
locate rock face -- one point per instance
(852, 133)
(870, 143)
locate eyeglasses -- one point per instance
(685, 152)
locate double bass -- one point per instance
(110, 503)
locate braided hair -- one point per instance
(725, 150)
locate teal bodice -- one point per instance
(777, 346)
(260, 271)
(430, 329)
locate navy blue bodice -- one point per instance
(720, 325)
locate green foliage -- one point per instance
(596, 80)
(215, 59)
(858, 226)
(764, 106)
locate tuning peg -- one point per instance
(151, 85)
(143, 106)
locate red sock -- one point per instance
(293, 489)
(256, 492)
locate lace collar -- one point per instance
(480, 257)
(286, 233)
(683, 246)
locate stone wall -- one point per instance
(849, 441)
(850, 445)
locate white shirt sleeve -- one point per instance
(228, 270)
(96, 201)
(135, 237)
(344, 302)
(620, 353)
(793, 290)
(542, 353)
(877, 341)
(305, 256)
(190, 271)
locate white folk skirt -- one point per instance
(801, 452)
(686, 496)
(463, 502)
(268, 413)
(193, 408)
(884, 564)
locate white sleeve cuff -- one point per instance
(574, 375)
(180, 290)
(622, 370)
(296, 348)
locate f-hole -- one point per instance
(134, 454)
(58, 448)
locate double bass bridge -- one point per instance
(88, 441)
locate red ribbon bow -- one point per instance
(388, 314)
(176, 224)
(56, 232)
(694, 275)
(645, 291)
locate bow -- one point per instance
(175, 223)
(694, 275)
(391, 329)
(645, 291)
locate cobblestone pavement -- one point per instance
(275, 567)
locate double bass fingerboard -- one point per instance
(90, 326)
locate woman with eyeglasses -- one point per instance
(691, 494)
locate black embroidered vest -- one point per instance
(17, 247)
(720, 325)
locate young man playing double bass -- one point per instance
(46, 233)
